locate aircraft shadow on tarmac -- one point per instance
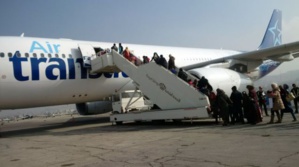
(92, 125)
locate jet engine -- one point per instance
(93, 108)
(223, 78)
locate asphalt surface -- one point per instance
(94, 141)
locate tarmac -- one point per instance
(93, 141)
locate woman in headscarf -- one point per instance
(255, 112)
(127, 54)
(277, 103)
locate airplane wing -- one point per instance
(270, 48)
(285, 52)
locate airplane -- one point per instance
(36, 72)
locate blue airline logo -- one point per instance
(276, 32)
(66, 70)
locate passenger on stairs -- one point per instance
(162, 61)
(190, 82)
(182, 75)
(114, 47)
(138, 61)
(204, 86)
(127, 53)
(132, 58)
(155, 57)
(121, 49)
(171, 64)
(145, 59)
(173, 71)
(202, 83)
(195, 84)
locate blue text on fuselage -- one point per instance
(47, 48)
(66, 70)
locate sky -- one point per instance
(217, 24)
(229, 24)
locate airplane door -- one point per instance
(87, 51)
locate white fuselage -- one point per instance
(50, 72)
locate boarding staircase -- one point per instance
(161, 86)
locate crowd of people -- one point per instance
(245, 107)
(201, 84)
(250, 105)
(160, 60)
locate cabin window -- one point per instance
(42, 55)
(9, 54)
(34, 55)
(2, 54)
(70, 56)
(56, 55)
(26, 54)
(63, 55)
(49, 55)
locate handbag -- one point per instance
(290, 97)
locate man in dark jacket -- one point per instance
(237, 112)
(182, 75)
(223, 103)
(204, 86)
(162, 61)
